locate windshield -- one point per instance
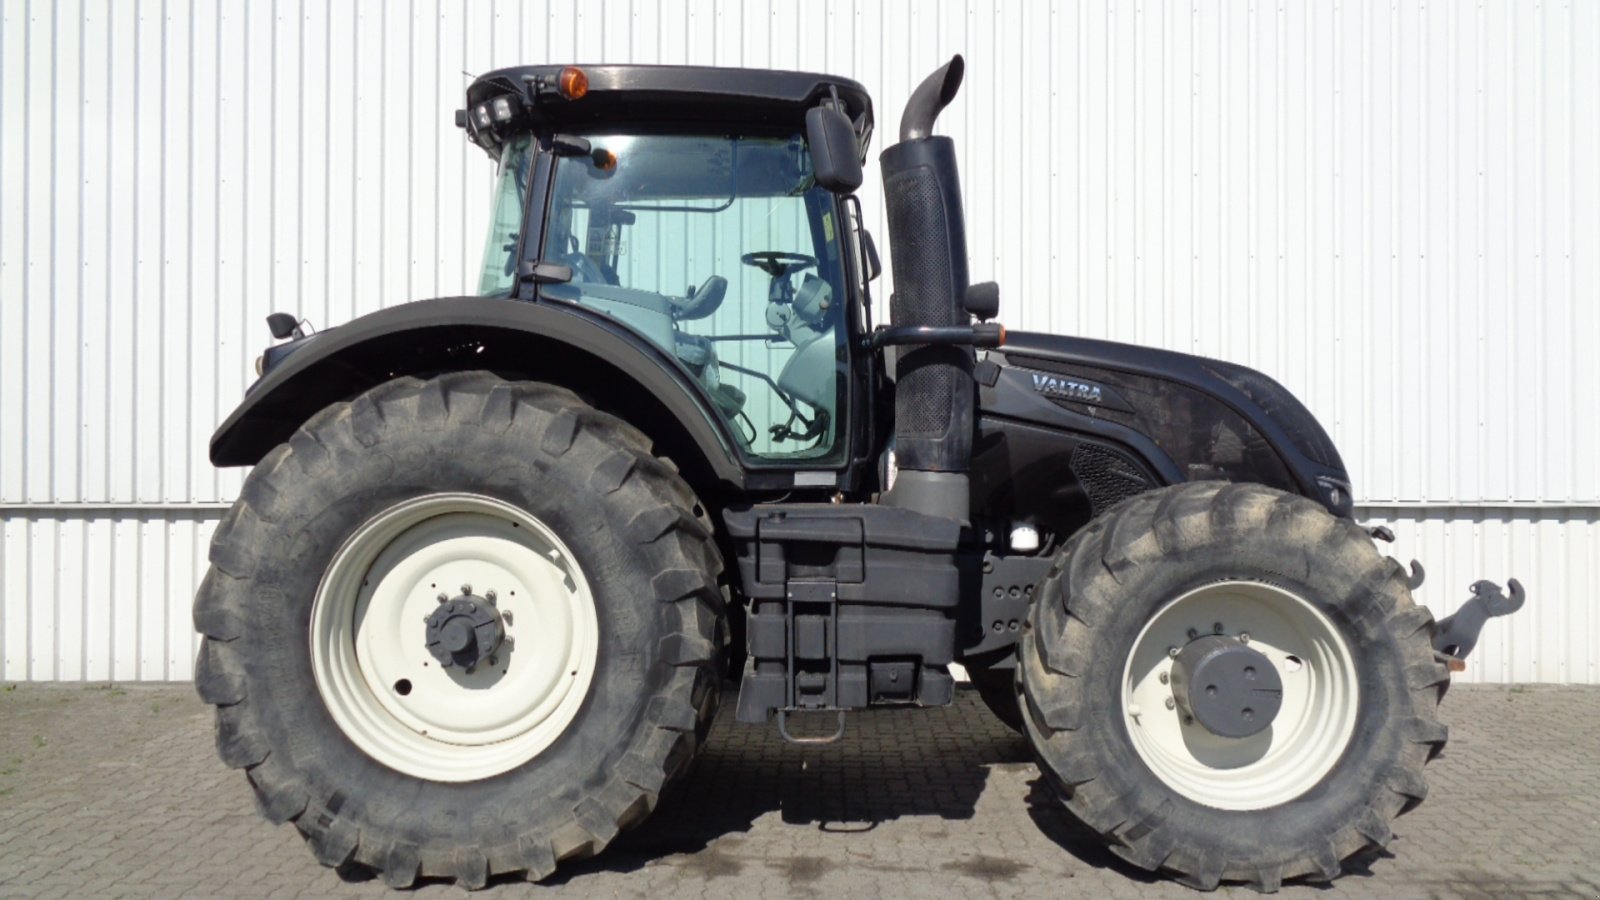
(498, 277)
(724, 252)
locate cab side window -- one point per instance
(720, 251)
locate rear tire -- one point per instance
(295, 704)
(1318, 786)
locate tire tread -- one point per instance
(1074, 601)
(677, 717)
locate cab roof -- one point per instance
(669, 95)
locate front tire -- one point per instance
(1231, 565)
(317, 612)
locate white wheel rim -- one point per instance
(369, 652)
(1305, 740)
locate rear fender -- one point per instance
(606, 364)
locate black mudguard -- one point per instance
(528, 340)
(1104, 421)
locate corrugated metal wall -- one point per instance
(1392, 207)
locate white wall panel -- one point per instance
(1392, 207)
(101, 594)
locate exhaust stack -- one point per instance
(935, 393)
(929, 99)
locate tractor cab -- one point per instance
(702, 226)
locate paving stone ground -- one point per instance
(116, 791)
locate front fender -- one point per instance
(622, 372)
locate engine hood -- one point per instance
(1214, 419)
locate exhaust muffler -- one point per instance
(934, 391)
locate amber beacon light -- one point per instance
(572, 83)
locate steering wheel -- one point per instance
(778, 263)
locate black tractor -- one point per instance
(475, 605)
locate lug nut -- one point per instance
(1171, 703)
(443, 599)
(1216, 628)
(489, 596)
(1164, 678)
(466, 589)
(1194, 633)
(506, 617)
(1244, 637)
(1172, 652)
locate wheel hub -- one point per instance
(464, 631)
(1230, 689)
(1312, 714)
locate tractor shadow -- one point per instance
(890, 764)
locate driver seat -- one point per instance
(701, 302)
(698, 353)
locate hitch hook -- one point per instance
(1457, 635)
(1419, 574)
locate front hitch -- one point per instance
(1457, 635)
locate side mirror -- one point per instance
(869, 257)
(570, 145)
(982, 300)
(834, 156)
(284, 326)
